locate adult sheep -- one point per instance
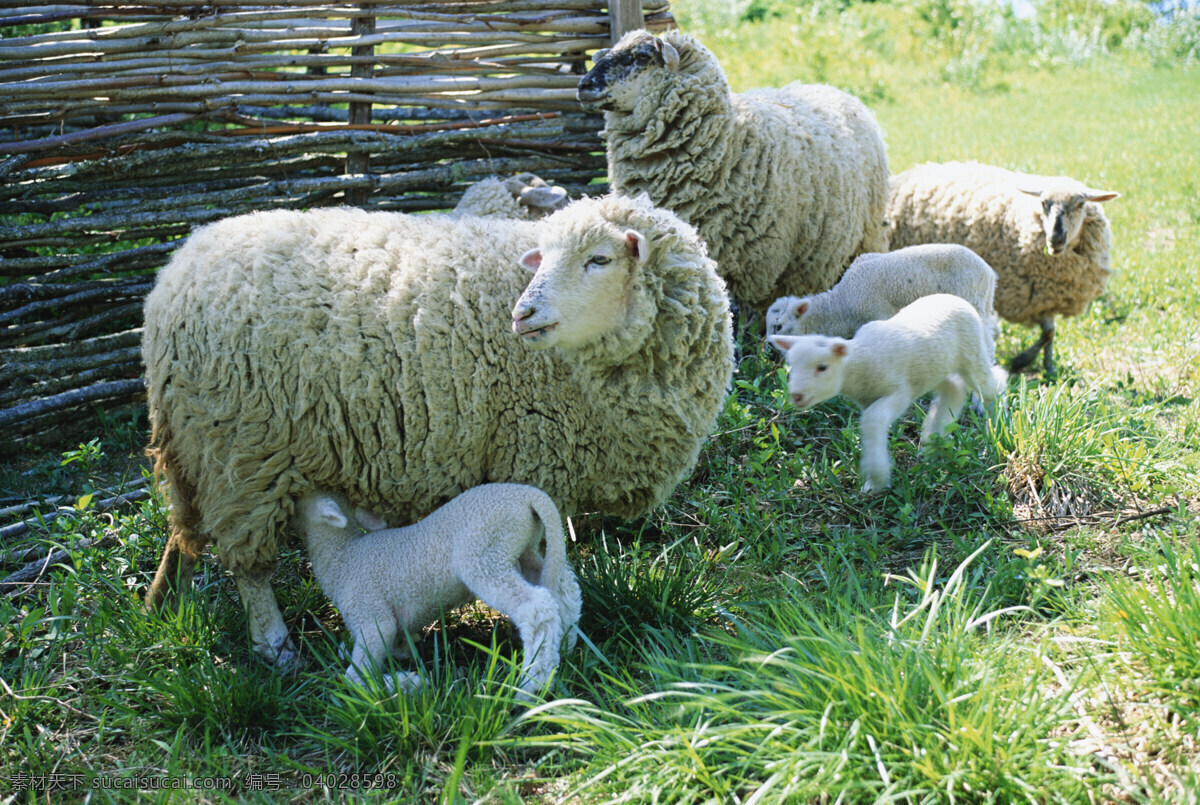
(786, 186)
(1046, 237)
(374, 355)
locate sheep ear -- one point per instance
(545, 197)
(669, 53)
(532, 260)
(840, 348)
(1100, 195)
(600, 54)
(801, 308)
(369, 520)
(1030, 191)
(331, 513)
(637, 245)
(782, 343)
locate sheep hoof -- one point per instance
(871, 488)
(285, 658)
(404, 681)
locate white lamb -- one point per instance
(877, 285)
(1046, 237)
(485, 543)
(932, 344)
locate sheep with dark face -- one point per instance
(787, 186)
(1046, 237)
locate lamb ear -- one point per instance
(369, 520)
(1101, 195)
(531, 260)
(637, 245)
(331, 513)
(600, 54)
(840, 348)
(669, 53)
(1030, 191)
(782, 343)
(801, 308)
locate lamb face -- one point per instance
(1063, 211)
(615, 81)
(816, 366)
(784, 314)
(581, 288)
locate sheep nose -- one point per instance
(798, 399)
(523, 312)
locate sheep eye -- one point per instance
(600, 260)
(821, 368)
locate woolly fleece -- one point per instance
(981, 207)
(371, 354)
(785, 185)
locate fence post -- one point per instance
(624, 16)
(359, 162)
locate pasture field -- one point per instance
(1017, 620)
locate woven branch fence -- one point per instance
(125, 125)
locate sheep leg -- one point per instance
(946, 406)
(371, 645)
(874, 426)
(533, 610)
(268, 632)
(174, 570)
(1044, 344)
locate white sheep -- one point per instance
(1046, 237)
(933, 344)
(373, 355)
(487, 543)
(522, 196)
(876, 286)
(786, 186)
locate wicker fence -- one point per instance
(124, 125)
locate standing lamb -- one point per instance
(932, 344)
(876, 286)
(1045, 236)
(371, 354)
(484, 544)
(786, 186)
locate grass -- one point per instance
(1017, 620)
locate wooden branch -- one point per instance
(36, 569)
(131, 495)
(113, 497)
(11, 418)
(91, 371)
(94, 134)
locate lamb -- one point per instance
(786, 186)
(370, 354)
(932, 344)
(876, 286)
(522, 196)
(484, 543)
(1045, 236)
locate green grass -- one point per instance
(1016, 620)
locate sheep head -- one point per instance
(616, 81)
(1063, 211)
(816, 366)
(785, 313)
(583, 284)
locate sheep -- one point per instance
(786, 186)
(1046, 237)
(876, 286)
(484, 543)
(523, 196)
(932, 344)
(373, 354)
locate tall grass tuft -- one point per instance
(839, 701)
